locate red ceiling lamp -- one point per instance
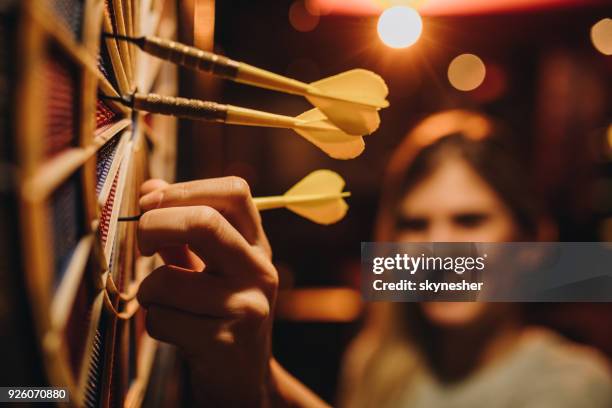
(444, 7)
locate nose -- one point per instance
(443, 231)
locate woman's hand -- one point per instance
(213, 298)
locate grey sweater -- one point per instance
(544, 371)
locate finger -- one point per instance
(198, 293)
(207, 233)
(152, 185)
(230, 196)
(195, 334)
(180, 256)
(182, 329)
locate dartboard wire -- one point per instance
(114, 54)
(124, 49)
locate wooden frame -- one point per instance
(108, 284)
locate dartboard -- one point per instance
(72, 162)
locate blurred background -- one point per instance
(542, 67)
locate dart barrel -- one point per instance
(190, 57)
(181, 107)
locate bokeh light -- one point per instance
(399, 26)
(318, 8)
(601, 36)
(300, 18)
(466, 72)
(606, 230)
(609, 137)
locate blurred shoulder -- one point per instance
(358, 354)
(563, 355)
(367, 342)
(576, 373)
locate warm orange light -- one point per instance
(399, 26)
(319, 305)
(606, 231)
(601, 36)
(466, 72)
(300, 18)
(318, 8)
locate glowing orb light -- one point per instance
(466, 72)
(301, 19)
(399, 26)
(601, 36)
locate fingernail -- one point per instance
(151, 200)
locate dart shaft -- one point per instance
(268, 203)
(196, 58)
(243, 116)
(250, 75)
(209, 111)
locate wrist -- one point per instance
(216, 389)
(274, 388)
(287, 391)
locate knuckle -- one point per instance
(225, 337)
(265, 247)
(183, 192)
(204, 219)
(254, 307)
(240, 192)
(268, 278)
(270, 283)
(259, 312)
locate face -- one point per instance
(454, 204)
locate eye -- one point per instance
(470, 220)
(412, 224)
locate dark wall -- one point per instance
(541, 67)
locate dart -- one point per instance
(317, 197)
(312, 125)
(351, 100)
